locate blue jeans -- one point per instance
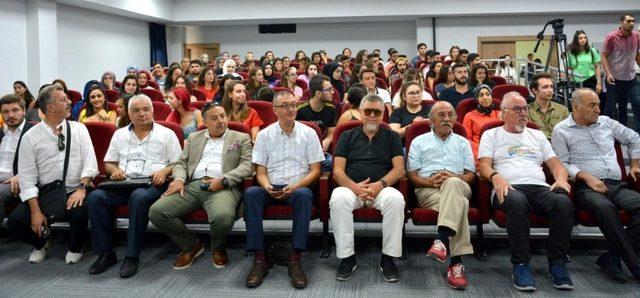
(257, 198)
(622, 93)
(102, 203)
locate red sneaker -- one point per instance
(438, 251)
(456, 278)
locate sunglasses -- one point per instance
(375, 112)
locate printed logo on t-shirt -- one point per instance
(521, 151)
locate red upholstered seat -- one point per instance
(198, 105)
(154, 94)
(395, 86)
(500, 90)
(74, 96)
(177, 129)
(112, 95)
(498, 80)
(302, 84)
(467, 105)
(244, 75)
(153, 84)
(100, 134)
(381, 83)
(199, 94)
(265, 111)
(161, 110)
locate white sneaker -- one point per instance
(73, 257)
(38, 255)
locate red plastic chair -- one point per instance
(161, 110)
(74, 96)
(199, 94)
(265, 111)
(498, 80)
(467, 105)
(500, 90)
(154, 94)
(112, 95)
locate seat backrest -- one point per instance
(381, 83)
(302, 84)
(74, 96)
(244, 75)
(154, 94)
(198, 105)
(153, 84)
(112, 95)
(467, 105)
(265, 111)
(414, 130)
(237, 126)
(500, 90)
(177, 129)
(100, 134)
(395, 86)
(161, 110)
(200, 96)
(498, 80)
(314, 127)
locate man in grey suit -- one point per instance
(207, 175)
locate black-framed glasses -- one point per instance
(61, 140)
(375, 112)
(330, 90)
(519, 109)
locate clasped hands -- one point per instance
(366, 190)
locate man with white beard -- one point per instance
(511, 158)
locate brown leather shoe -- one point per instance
(220, 259)
(258, 272)
(186, 259)
(296, 273)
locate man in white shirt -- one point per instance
(287, 155)
(42, 156)
(141, 150)
(368, 79)
(511, 158)
(15, 125)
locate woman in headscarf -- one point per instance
(485, 112)
(333, 70)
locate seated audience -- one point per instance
(108, 81)
(319, 110)
(182, 113)
(97, 109)
(123, 111)
(309, 72)
(484, 113)
(255, 82)
(479, 76)
(229, 68)
(265, 94)
(445, 80)
(454, 52)
(355, 95)
(543, 111)
(269, 76)
(235, 106)
(460, 90)
(194, 70)
(333, 70)
(207, 83)
(143, 79)
(368, 78)
(506, 70)
(411, 75)
(432, 74)
(129, 85)
(183, 82)
(172, 75)
(289, 77)
(158, 74)
(411, 109)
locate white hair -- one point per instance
(510, 96)
(139, 97)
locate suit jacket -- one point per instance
(26, 127)
(236, 158)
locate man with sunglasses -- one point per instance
(511, 158)
(144, 152)
(287, 155)
(41, 161)
(368, 160)
(207, 176)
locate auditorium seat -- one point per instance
(153, 84)
(177, 129)
(161, 110)
(74, 96)
(395, 86)
(112, 95)
(199, 94)
(467, 105)
(265, 111)
(100, 134)
(154, 94)
(498, 80)
(500, 90)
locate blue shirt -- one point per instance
(591, 149)
(429, 154)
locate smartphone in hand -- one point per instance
(278, 187)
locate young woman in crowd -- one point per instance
(229, 68)
(362, 57)
(445, 79)
(479, 75)
(97, 108)
(506, 70)
(184, 65)
(20, 89)
(484, 113)
(355, 95)
(108, 81)
(269, 77)
(432, 74)
(411, 109)
(270, 56)
(61, 83)
(410, 75)
(143, 80)
(333, 70)
(129, 85)
(316, 58)
(288, 81)
(207, 83)
(183, 82)
(286, 62)
(454, 52)
(172, 75)
(255, 82)
(123, 111)
(584, 61)
(278, 67)
(182, 112)
(237, 110)
(309, 72)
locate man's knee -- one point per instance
(96, 198)
(393, 198)
(140, 197)
(302, 197)
(222, 218)
(516, 201)
(341, 197)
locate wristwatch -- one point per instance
(225, 182)
(84, 186)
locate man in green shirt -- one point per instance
(543, 111)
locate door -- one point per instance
(195, 50)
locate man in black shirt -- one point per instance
(367, 161)
(460, 89)
(319, 109)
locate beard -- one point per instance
(370, 127)
(485, 110)
(461, 81)
(520, 127)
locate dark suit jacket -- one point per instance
(26, 127)
(236, 158)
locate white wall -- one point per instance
(310, 37)
(13, 54)
(464, 31)
(175, 43)
(91, 42)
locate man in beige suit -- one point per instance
(207, 175)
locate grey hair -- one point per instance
(578, 95)
(139, 97)
(279, 95)
(438, 105)
(45, 97)
(372, 98)
(508, 97)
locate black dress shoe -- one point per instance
(129, 267)
(610, 264)
(104, 261)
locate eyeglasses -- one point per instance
(287, 106)
(330, 90)
(61, 140)
(375, 112)
(519, 109)
(414, 93)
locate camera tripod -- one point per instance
(559, 43)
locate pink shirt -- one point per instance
(622, 52)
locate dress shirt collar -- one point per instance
(224, 135)
(282, 132)
(572, 122)
(60, 128)
(18, 130)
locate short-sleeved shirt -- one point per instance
(517, 157)
(143, 157)
(622, 53)
(453, 96)
(546, 121)
(253, 119)
(324, 119)
(584, 64)
(287, 157)
(404, 117)
(430, 154)
(368, 159)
